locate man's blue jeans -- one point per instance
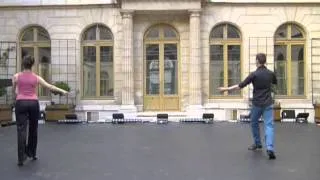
(267, 113)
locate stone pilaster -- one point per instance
(127, 65)
(195, 61)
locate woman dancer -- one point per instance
(27, 108)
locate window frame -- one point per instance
(35, 45)
(97, 44)
(225, 42)
(288, 42)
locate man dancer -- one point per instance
(262, 80)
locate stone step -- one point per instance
(154, 114)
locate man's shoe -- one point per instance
(255, 147)
(271, 154)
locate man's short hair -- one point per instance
(261, 58)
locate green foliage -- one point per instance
(61, 85)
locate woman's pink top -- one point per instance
(26, 86)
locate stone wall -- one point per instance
(257, 20)
(67, 23)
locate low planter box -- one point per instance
(5, 113)
(316, 113)
(58, 111)
(277, 113)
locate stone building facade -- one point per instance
(142, 57)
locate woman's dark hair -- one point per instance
(27, 62)
(261, 58)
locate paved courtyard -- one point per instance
(162, 152)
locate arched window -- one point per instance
(289, 59)
(97, 54)
(35, 41)
(225, 58)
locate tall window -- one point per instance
(35, 41)
(225, 59)
(97, 54)
(289, 57)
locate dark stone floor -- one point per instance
(162, 152)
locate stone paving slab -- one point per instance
(162, 152)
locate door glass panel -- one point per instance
(170, 69)
(44, 68)
(152, 69)
(89, 71)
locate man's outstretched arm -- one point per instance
(239, 86)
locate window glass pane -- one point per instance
(42, 35)
(281, 74)
(297, 78)
(234, 73)
(153, 33)
(105, 33)
(216, 69)
(152, 69)
(89, 71)
(297, 52)
(295, 32)
(297, 69)
(280, 53)
(170, 69)
(217, 32)
(25, 51)
(233, 32)
(90, 34)
(169, 33)
(216, 53)
(44, 68)
(106, 71)
(234, 53)
(28, 35)
(282, 32)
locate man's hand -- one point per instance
(223, 89)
